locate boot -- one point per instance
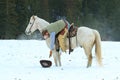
(71, 50)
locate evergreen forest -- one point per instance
(102, 15)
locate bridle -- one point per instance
(32, 24)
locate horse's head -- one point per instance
(34, 24)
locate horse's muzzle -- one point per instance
(28, 33)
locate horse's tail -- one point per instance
(98, 47)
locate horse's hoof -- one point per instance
(89, 65)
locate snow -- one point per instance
(19, 60)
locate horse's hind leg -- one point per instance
(89, 56)
(89, 61)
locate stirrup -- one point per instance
(71, 50)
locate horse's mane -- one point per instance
(40, 19)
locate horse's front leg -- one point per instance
(57, 58)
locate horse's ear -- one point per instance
(34, 16)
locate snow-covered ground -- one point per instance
(19, 60)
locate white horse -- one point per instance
(86, 38)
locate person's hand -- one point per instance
(50, 53)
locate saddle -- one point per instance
(72, 32)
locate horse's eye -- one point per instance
(30, 23)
